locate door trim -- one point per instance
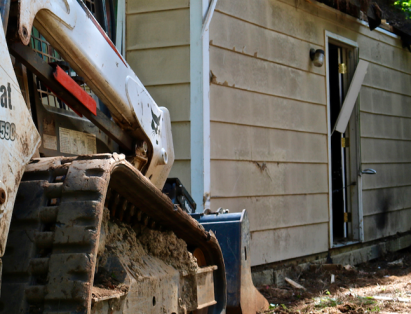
(348, 43)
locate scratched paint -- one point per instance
(19, 139)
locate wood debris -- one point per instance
(294, 284)
(382, 298)
(397, 263)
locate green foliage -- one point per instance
(326, 302)
(365, 300)
(376, 309)
(272, 306)
(405, 6)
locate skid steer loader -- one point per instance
(84, 155)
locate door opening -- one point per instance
(336, 56)
(345, 76)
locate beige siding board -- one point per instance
(325, 14)
(385, 126)
(290, 220)
(384, 200)
(385, 151)
(388, 79)
(281, 244)
(278, 211)
(374, 45)
(181, 139)
(158, 29)
(257, 75)
(176, 98)
(386, 224)
(181, 170)
(231, 33)
(388, 175)
(383, 54)
(243, 107)
(378, 101)
(287, 19)
(161, 66)
(238, 142)
(276, 16)
(157, 49)
(242, 178)
(134, 6)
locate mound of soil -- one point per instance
(380, 286)
(122, 245)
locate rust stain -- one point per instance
(213, 78)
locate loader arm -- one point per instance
(75, 33)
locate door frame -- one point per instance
(354, 159)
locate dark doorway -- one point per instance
(338, 153)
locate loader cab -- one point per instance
(105, 13)
(63, 131)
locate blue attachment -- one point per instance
(227, 228)
(178, 194)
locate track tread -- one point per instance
(52, 246)
(26, 227)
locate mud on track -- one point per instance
(130, 244)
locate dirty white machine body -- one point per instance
(93, 233)
(75, 33)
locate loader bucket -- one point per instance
(233, 234)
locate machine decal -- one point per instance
(49, 142)
(77, 143)
(155, 123)
(7, 131)
(6, 96)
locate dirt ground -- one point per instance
(379, 286)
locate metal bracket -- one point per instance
(345, 142)
(369, 171)
(347, 217)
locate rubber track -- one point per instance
(52, 245)
(50, 258)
